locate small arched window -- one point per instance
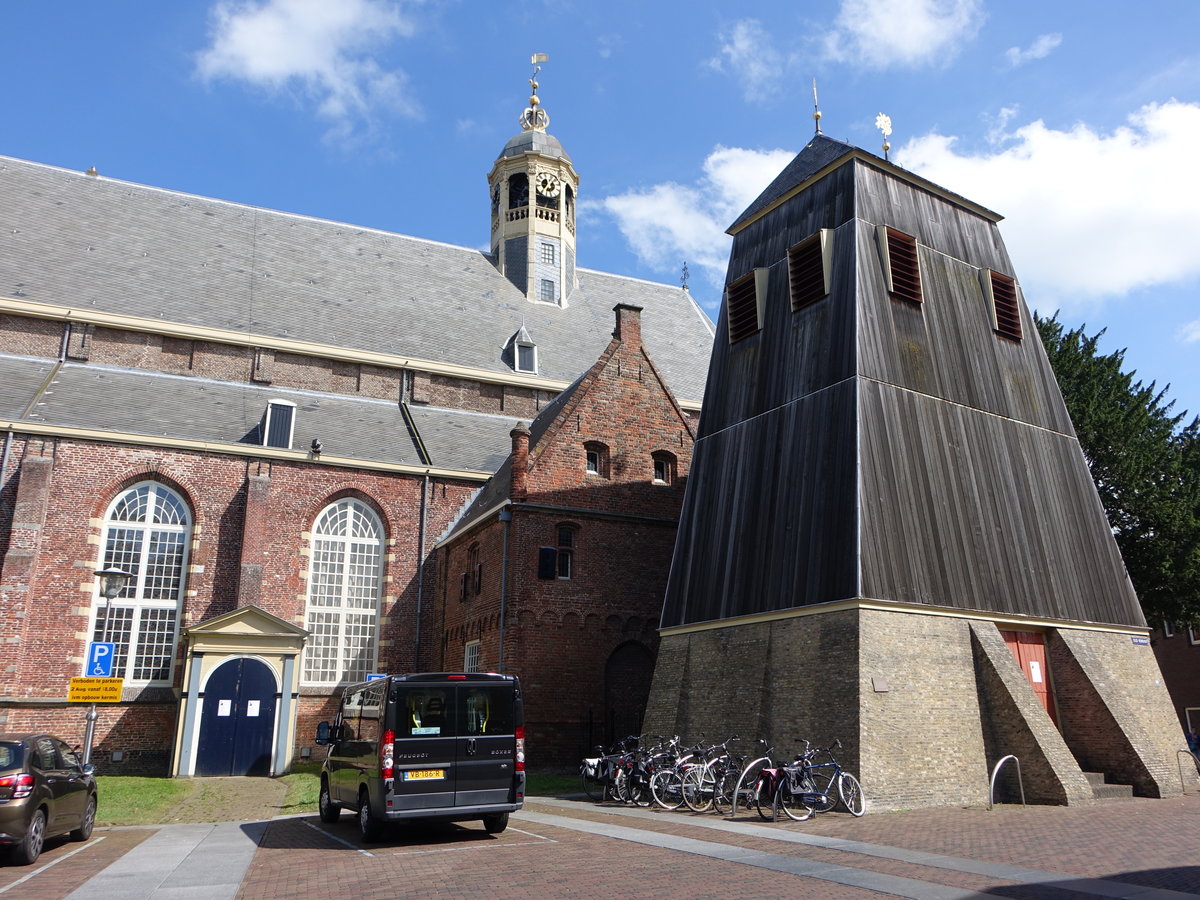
(595, 458)
(147, 530)
(664, 467)
(344, 585)
(518, 190)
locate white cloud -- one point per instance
(747, 53)
(880, 34)
(1042, 47)
(669, 223)
(1089, 216)
(318, 46)
(1190, 332)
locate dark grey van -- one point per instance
(447, 745)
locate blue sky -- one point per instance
(1078, 122)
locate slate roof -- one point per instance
(86, 242)
(816, 155)
(139, 402)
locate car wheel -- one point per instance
(368, 826)
(329, 811)
(495, 823)
(87, 823)
(30, 847)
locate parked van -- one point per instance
(448, 746)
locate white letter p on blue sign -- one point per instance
(100, 659)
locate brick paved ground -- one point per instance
(553, 849)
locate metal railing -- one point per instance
(1194, 758)
(996, 771)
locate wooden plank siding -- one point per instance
(867, 448)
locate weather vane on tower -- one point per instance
(535, 118)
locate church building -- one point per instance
(288, 432)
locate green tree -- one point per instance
(1146, 464)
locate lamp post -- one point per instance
(112, 582)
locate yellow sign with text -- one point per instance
(95, 690)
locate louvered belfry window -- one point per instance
(1004, 304)
(806, 272)
(742, 304)
(902, 261)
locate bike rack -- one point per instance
(1193, 757)
(1020, 780)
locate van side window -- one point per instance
(488, 710)
(371, 715)
(424, 712)
(351, 708)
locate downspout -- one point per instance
(506, 518)
(421, 568)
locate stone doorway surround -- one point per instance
(245, 632)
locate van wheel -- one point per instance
(328, 810)
(368, 826)
(495, 823)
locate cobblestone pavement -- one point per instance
(1146, 849)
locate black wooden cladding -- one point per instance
(768, 520)
(864, 447)
(973, 511)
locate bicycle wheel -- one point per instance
(667, 789)
(746, 789)
(724, 784)
(792, 804)
(818, 782)
(852, 795)
(620, 786)
(697, 789)
(639, 791)
(593, 788)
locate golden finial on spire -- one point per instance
(534, 118)
(884, 124)
(816, 109)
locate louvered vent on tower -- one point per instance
(904, 273)
(742, 306)
(1005, 310)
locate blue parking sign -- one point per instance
(100, 659)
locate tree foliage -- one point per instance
(1145, 461)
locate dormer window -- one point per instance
(278, 424)
(521, 353)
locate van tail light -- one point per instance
(20, 785)
(520, 748)
(387, 748)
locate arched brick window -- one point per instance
(664, 467)
(147, 530)
(344, 585)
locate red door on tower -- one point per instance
(1029, 648)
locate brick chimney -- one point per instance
(519, 487)
(629, 324)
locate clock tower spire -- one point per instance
(533, 187)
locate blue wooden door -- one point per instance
(238, 722)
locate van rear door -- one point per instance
(424, 746)
(487, 743)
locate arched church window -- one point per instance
(147, 530)
(518, 190)
(344, 585)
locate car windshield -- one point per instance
(10, 756)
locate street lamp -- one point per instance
(112, 582)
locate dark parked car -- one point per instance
(44, 791)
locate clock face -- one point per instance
(548, 185)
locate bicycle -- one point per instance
(703, 785)
(806, 788)
(757, 783)
(666, 785)
(603, 775)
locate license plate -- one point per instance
(424, 774)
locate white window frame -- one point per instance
(548, 255)
(131, 552)
(547, 286)
(532, 348)
(471, 656)
(345, 589)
